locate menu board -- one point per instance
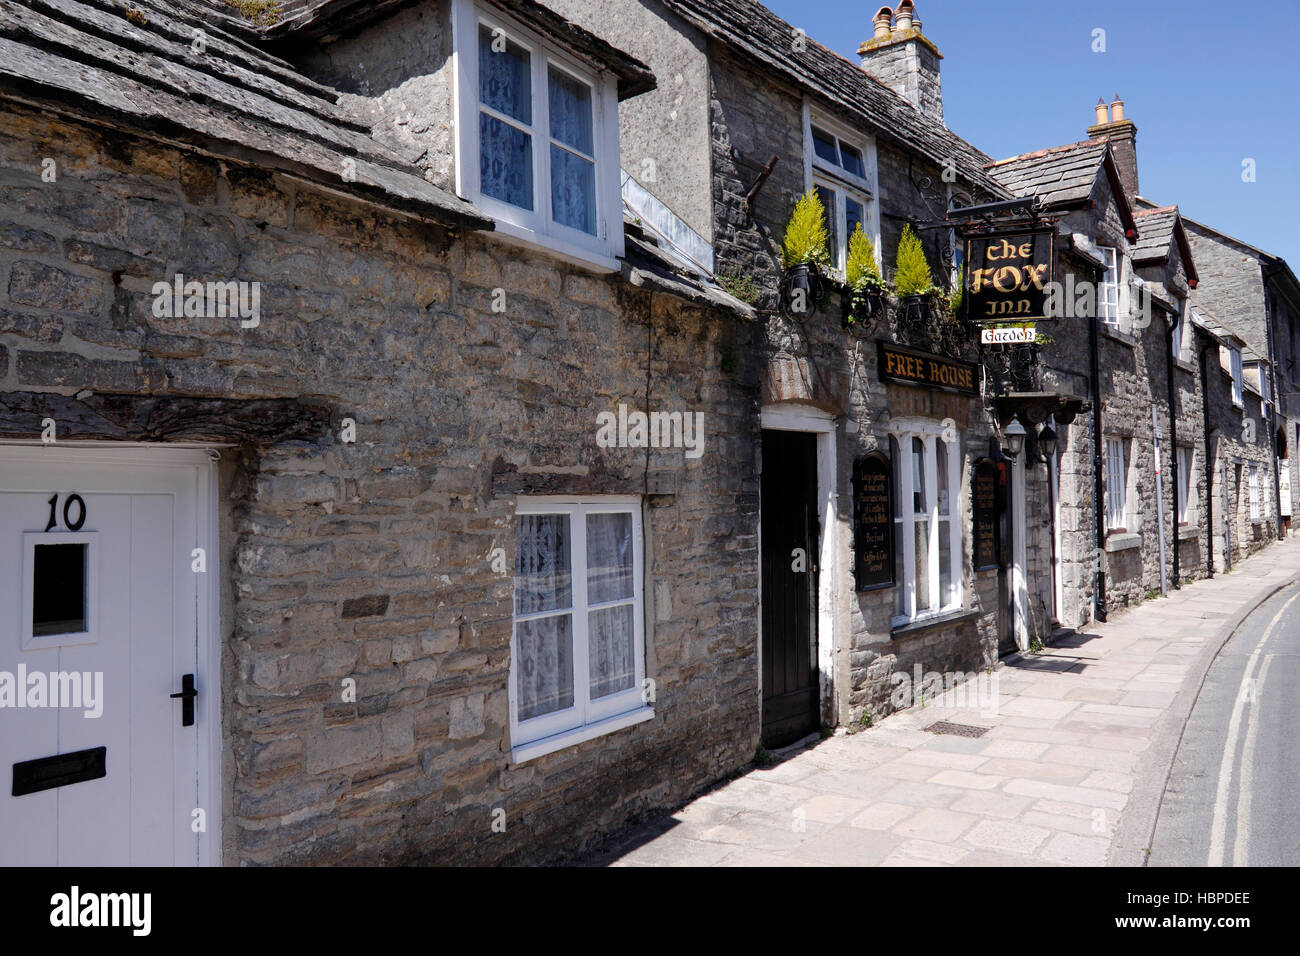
(984, 514)
(873, 523)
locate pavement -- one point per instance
(1070, 770)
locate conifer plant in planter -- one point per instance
(803, 254)
(913, 283)
(865, 295)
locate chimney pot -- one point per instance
(903, 18)
(882, 22)
(1116, 109)
(1103, 115)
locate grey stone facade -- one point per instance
(372, 560)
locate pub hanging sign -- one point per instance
(1008, 275)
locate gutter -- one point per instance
(1209, 479)
(1173, 447)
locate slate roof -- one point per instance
(756, 31)
(1159, 228)
(319, 18)
(1063, 175)
(88, 59)
(1157, 233)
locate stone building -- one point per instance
(787, 115)
(1257, 295)
(1132, 469)
(295, 409)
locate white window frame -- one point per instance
(1186, 461)
(819, 172)
(1117, 475)
(586, 719)
(1252, 483)
(903, 431)
(1261, 380)
(537, 228)
(1179, 333)
(1238, 379)
(1115, 269)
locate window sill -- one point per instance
(1187, 533)
(1123, 541)
(571, 738)
(1116, 333)
(1185, 366)
(945, 619)
(567, 251)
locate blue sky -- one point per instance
(1208, 84)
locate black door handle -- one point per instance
(187, 695)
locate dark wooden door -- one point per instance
(790, 529)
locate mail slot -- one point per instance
(46, 773)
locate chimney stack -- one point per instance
(1121, 133)
(904, 59)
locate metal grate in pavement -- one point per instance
(957, 730)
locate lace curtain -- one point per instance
(612, 632)
(573, 174)
(505, 152)
(544, 582)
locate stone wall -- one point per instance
(398, 79)
(372, 560)
(1231, 288)
(1240, 436)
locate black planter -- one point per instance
(861, 308)
(803, 282)
(918, 308)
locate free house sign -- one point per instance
(922, 370)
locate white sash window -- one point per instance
(927, 523)
(578, 653)
(1117, 459)
(537, 138)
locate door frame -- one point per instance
(821, 424)
(201, 459)
(1019, 558)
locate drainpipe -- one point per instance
(1160, 497)
(1098, 467)
(1173, 447)
(1272, 424)
(1209, 479)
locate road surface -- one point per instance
(1233, 794)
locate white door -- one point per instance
(100, 609)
